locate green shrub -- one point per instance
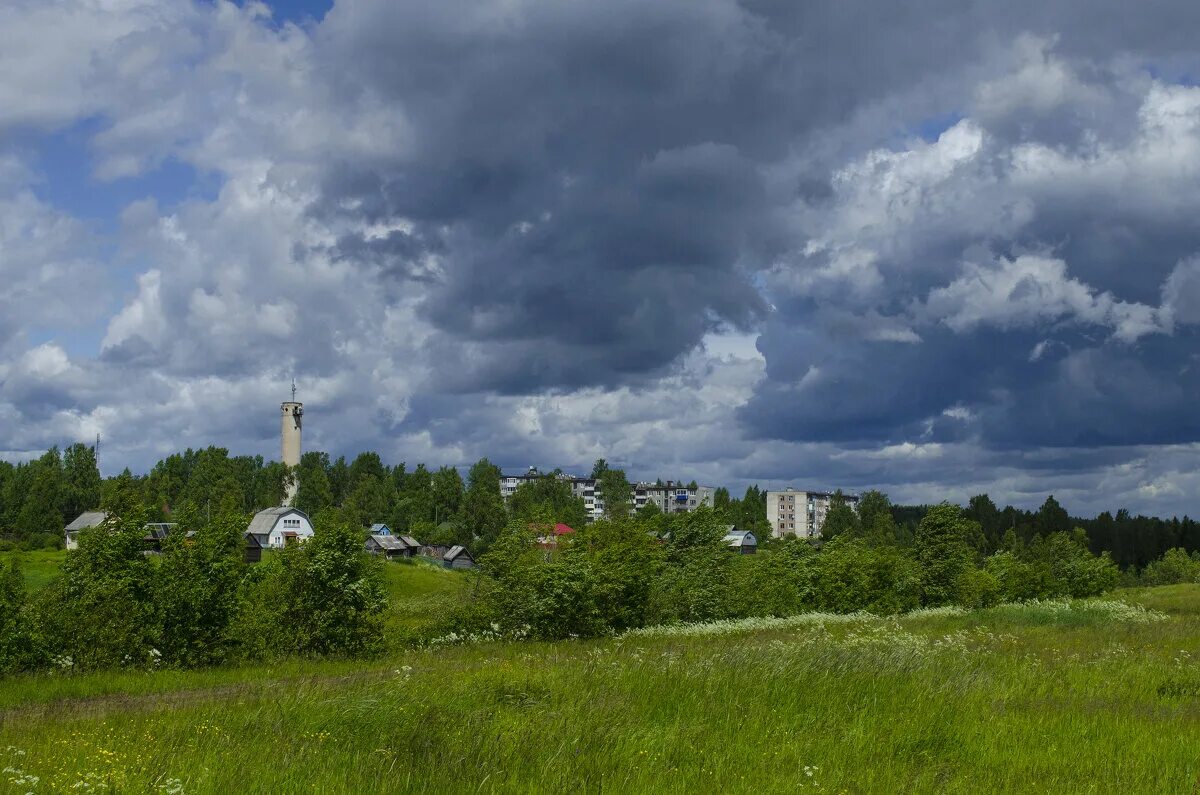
(853, 575)
(1175, 566)
(944, 552)
(17, 648)
(331, 594)
(196, 590)
(1016, 579)
(100, 613)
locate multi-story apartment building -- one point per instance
(801, 513)
(671, 497)
(584, 488)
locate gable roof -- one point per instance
(264, 521)
(412, 542)
(455, 552)
(87, 519)
(380, 529)
(388, 542)
(740, 538)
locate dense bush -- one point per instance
(1175, 566)
(197, 603)
(631, 572)
(101, 613)
(196, 590)
(17, 646)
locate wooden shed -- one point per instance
(458, 558)
(389, 546)
(253, 548)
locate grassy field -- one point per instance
(38, 567)
(419, 594)
(1056, 698)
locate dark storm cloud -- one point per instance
(595, 169)
(593, 174)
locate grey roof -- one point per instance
(379, 528)
(388, 542)
(740, 538)
(455, 552)
(264, 521)
(412, 542)
(87, 519)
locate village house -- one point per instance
(380, 530)
(84, 521)
(742, 541)
(276, 527)
(548, 536)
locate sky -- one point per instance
(936, 248)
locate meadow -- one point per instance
(1057, 696)
(38, 567)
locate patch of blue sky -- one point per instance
(79, 343)
(65, 165)
(930, 129)
(1182, 75)
(299, 11)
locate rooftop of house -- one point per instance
(388, 542)
(87, 519)
(264, 521)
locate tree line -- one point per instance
(39, 497)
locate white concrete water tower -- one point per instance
(292, 419)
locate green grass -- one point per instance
(38, 567)
(420, 595)
(1041, 698)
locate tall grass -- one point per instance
(1095, 699)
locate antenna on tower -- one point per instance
(293, 390)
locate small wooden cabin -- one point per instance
(458, 558)
(389, 546)
(253, 548)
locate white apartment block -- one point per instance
(801, 513)
(584, 488)
(672, 497)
